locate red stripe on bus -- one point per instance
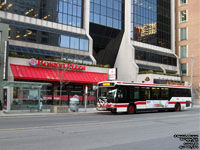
(140, 103)
(172, 102)
(118, 106)
(178, 102)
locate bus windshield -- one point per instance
(107, 92)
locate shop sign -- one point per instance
(112, 75)
(68, 66)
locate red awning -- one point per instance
(46, 74)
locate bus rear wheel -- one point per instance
(177, 107)
(131, 109)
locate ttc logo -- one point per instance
(33, 62)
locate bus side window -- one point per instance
(155, 93)
(145, 93)
(186, 93)
(136, 93)
(165, 93)
(122, 95)
(131, 93)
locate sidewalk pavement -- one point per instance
(48, 113)
(45, 113)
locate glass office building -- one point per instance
(62, 12)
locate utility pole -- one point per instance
(86, 94)
(191, 75)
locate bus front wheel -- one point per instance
(131, 109)
(177, 107)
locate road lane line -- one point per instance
(96, 123)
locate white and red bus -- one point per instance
(127, 97)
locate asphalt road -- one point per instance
(99, 131)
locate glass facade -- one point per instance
(150, 22)
(155, 58)
(68, 12)
(40, 54)
(48, 38)
(106, 12)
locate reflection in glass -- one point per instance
(64, 41)
(107, 13)
(183, 16)
(155, 58)
(74, 43)
(150, 22)
(50, 10)
(84, 44)
(48, 38)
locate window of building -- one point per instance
(184, 69)
(183, 2)
(48, 37)
(183, 16)
(84, 44)
(150, 22)
(68, 12)
(183, 34)
(156, 58)
(183, 51)
(106, 12)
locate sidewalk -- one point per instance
(45, 113)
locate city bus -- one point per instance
(131, 97)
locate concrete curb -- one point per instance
(18, 114)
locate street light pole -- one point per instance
(86, 94)
(191, 75)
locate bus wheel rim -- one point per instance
(131, 109)
(178, 108)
